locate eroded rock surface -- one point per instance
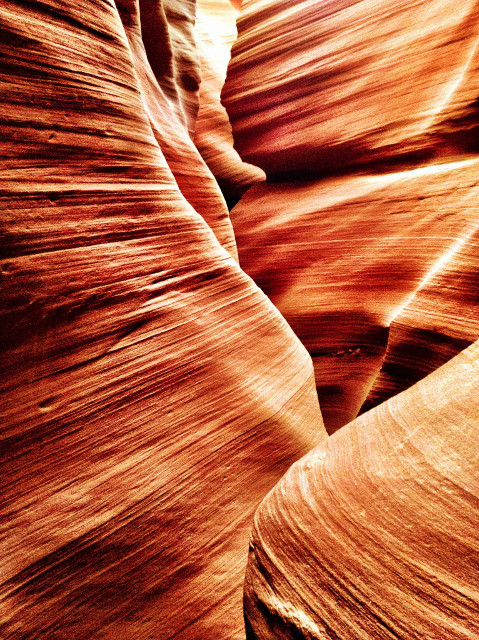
(363, 264)
(151, 394)
(216, 32)
(366, 124)
(374, 534)
(316, 86)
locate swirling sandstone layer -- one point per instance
(151, 395)
(364, 116)
(317, 86)
(363, 264)
(441, 319)
(374, 534)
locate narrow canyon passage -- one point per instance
(365, 233)
(194, 250)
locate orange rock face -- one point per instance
(364, 265)
(365, 237)
(314, 87)
(374, 535)
(216, 32)
(441, 319)
(151, 394)
(367, 127)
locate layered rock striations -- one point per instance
(365, 237)
(374, 534)
(367, 125)
(156, 35)
(215, 33)
(441, 319)
(314, 87)
(151, 395)
(376, 274)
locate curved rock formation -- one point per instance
(345, 259)
(374, 534)
(385, 97)
(316, 86)
(441, 319)
(170, 112)
(216, 32)
(151, 395)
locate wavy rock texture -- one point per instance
(345, 259)
(441, 320)
(151, 395)
(374, 534)
(317, 86)
(216, 32)
(361, 264)
(170, 113)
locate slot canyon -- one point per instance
(240, 320)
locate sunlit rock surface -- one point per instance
(363, 264)
(317, 86)
(365, 237)
(151, 395)
(374, 534)
(215, 33)
(365, 118)
(441, 319)
(160, 42)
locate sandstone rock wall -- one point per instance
(364, 116)
(151, 394)
(215, 33)
(374, 534)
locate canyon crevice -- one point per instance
(199, 265)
